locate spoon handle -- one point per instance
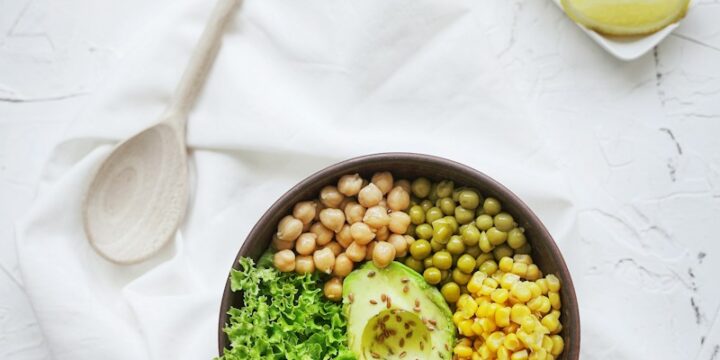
(197, 69)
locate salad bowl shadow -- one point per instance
(410, 165)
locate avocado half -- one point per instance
(392, 313)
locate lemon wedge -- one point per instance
(625, 17)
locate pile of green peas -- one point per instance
(457, 231)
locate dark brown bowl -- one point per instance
(408, 165)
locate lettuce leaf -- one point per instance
(285, 317)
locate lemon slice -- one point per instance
(625, 17)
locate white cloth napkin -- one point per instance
(297, 86)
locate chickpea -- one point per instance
(324, 235)
(289, 228)
(344, 236)
(282, 245)
(306, 243)
(284, 260)
(324, 260)
(383, 254)
(345, 202)
(376, 217)
(370, 249)
(305, 211)
(343, 265)
(318, 208)
(350, 185)
(333, 219)
(335, 247)
(383, 180)
(361, 233)
(400, 244)
(370, 195)
(356, 252)
(382, 234)
(403, 184)
(354, 212)
(304, 264)
(333, 289)
(409, 240)
(399, 222)
(331, 197)
(398, 199)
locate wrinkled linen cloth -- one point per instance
(297, 86)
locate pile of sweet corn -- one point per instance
(512, 312)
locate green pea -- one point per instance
(524, 250)
(502, 251)
(433, 196)
(417, 215)
(460, 277)
(469, 199)
(414, 264)
(436, 246)
(484, 257)
(463, 215)
(441, 231)
(495, 236)
(426, 205)
(428, 262)
(492, 206)
(471, 235)
(434, 213)
(453, 223)
(484, 222)
(445, 188)
(451, 292)
(445, 276)
(424, 231)
(414, 200)
(420, 187)
(516, 238)
(473, 250)
(420, 249)
(489, 267)
(442, 260)
(432, 275)
(455, 246)
(484, 243)
(447, 205)
(504, 221)
(411, 230)
(456, 193)
(466, 263)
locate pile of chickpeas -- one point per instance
(351, 222)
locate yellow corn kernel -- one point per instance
(549, 357)
(529, 324)
(476, 282)
(534, 289)
(543, 284)
(493, 308)
(533, 272)
(511, 342)
(553, 283)
(511, 329)
(495, 340)
(518, 313)
(502, 316)
(539, 354)
(551, 322)
(463, 351)
(539, 304)
(497, 275)
(465, 341)
(476, 356)
(488, 325)
(477, 328)
(554, 300)
(519, 269)
(469, 309)
(506, 264)
(558, 345)
(532, 341)
(502, 353)
(484, 309)
(499, 295)
(457, 317)
(485, 353)
(547, 343)
(465, 328)
(521, 291)
(478, 343)
(523, 258)
(508, 280)
(558, 330)
(520, 355)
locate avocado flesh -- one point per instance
(417, 324)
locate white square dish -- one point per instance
(629, 47)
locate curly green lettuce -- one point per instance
(285, 317)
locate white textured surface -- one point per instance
(636, 143)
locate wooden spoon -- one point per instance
(139, 194)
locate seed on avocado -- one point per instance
(373, 302)
(398, 318)
(409, 334)
(375, 355)
(422, 345)
(404, 280)
(433, 322)
(402, 354)
(402, 342)
(389, 302)
(406, 289)
(351, 297)
(383, 297)
(371, 274)
(417, 303)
